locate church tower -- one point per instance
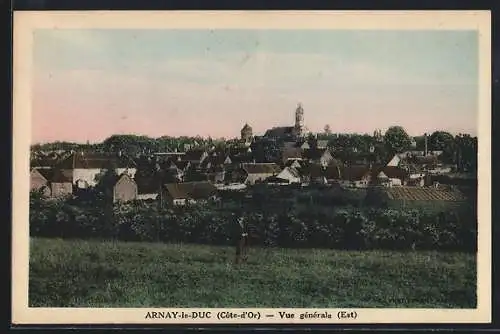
(299, 121)
(246, 133)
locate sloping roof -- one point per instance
(381, 175)
(43, 162)
(293, 171)
(191, 190)
(305, 145)
(62, 176)
(290, 163)
(291, 153)
(214, 160)
(95, 161)
(354, 173)
(247, 158)
(261, 168)
(46, 174)
(246, 127)
(280, 131)
(123, 161)
(123, 176)
(147, 185)
(315, 153)
(314, 171)
(275, 179)
(392, 172)
(423, 194)
(395, 172)
(110, 179)
(333, 172)
(55, 175)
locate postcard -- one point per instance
(251, 167)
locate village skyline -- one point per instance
(235, 136)
(212, 82)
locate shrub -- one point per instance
(339, 227)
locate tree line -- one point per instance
(289, 226)
(460, 150)
(130, 144)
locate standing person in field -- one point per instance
(245, 231)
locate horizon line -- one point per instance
(206, 137)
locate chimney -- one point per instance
(425, 138)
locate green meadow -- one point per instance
(74, 273)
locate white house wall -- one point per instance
(130, 171)
(87, 175)
(440, 170)
(361, 184)
(147, 196)
(252, 178)
(234, 186)
(395, 182)
(180, 201)
(61, 189)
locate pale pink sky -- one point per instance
(89, 85)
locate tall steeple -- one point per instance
(299, 120)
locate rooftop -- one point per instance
(423, 194)
(261, 168)
(192, 190)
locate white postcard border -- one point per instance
(24, 24)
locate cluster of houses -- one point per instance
(200, 172)
(181, 177)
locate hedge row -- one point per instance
(343, 228)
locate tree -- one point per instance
(466, 153)
(396, 139)
(420, 141)
(440, 141)
(106, 179)
(443, 141)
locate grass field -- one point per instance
(69, 273)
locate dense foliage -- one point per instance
(396, 139)
(133, 144)
(289, 224)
